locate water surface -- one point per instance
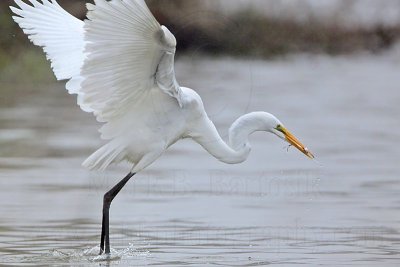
(278, 208)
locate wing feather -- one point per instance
(59, 33)
(125, 47)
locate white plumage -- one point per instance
(60, 34)
(120, 63)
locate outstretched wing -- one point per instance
(111, 60)
(58, 32)
(128, 53)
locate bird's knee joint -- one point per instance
(107, 198)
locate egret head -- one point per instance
(263, 121)
(279, 130)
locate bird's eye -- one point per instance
(279, 128)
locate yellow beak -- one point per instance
(295, 142)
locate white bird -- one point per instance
(120, 64)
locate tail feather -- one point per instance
(103, 157)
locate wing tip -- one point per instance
(14, 9)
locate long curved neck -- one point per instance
(238, 148)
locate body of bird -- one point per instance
(120, 64)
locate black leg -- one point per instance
(108, 198)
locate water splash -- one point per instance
(116, 255)
(88, 255)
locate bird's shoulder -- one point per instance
(192, 104)
(191, 99)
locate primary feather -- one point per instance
(60, 34)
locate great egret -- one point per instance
(120, 63)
